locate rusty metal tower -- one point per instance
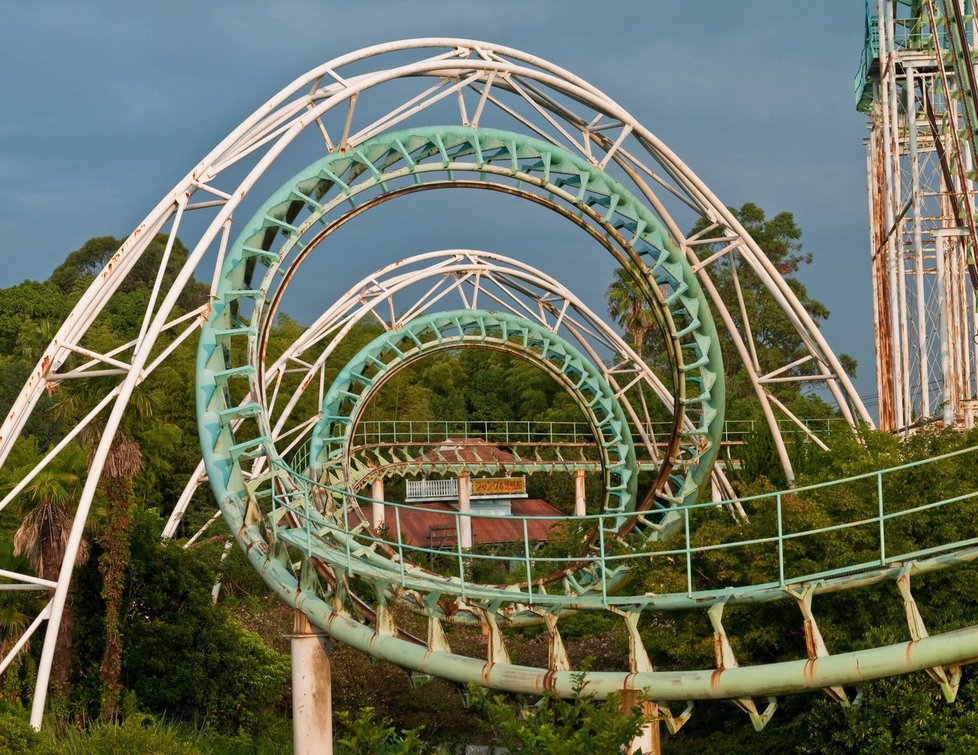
(917, 83)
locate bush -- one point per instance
(185, 657)
(16, 734)
(365, 734)
(137, 734)
(556, 726)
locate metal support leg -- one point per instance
(377, 507)
(580, 501)
(312, 703)
(465, 507)
(949, 678)
(726, 660)
(649, 740)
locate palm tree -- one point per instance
(122, 464)
(42, 538)
(628, 307)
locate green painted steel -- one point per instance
(444, 154)
(336, 540)
(309, 594)
(293, 527)
(358, 381)
(328, 193)
(868, 72)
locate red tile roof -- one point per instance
(434, 528)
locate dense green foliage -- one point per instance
(776, 340)
(141, 635)
(199, 676)
(554, 726)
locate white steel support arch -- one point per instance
(463, 278)
(473, 82)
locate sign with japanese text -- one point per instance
(499, 486)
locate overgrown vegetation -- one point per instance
(149, 663)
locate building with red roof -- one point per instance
(498, 504)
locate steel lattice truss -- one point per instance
(917, 84)
(412, 287)
(475, 116)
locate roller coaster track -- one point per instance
(278, 431)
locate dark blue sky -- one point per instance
(105, 105)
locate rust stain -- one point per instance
(718, 649)
(810, 640)
(715, 678)
(809, 671)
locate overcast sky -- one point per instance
(105, 105)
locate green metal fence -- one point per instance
(883, 531)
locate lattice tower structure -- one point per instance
(916, 82)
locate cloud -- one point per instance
(108, 103)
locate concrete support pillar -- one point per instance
(377, 507)
(580, 508)
(312, 704)
(464, 507)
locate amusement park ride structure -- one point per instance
(281, 443)
(917, 83)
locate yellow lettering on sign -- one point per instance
(499, 486)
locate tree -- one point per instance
(629, 308)
(27, 305)
(123, 463)
(775, 339)
(79, 268)
(43, 538)
(17, 609)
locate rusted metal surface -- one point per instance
(919, 91)
(312, 702)
(530, 95)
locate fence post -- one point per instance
(780, 544)
(689, 555)
(604, 569)
(458, 553)
(879, 498)
(400, 542)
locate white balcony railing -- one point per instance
(432, 490)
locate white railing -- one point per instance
(432, 490)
